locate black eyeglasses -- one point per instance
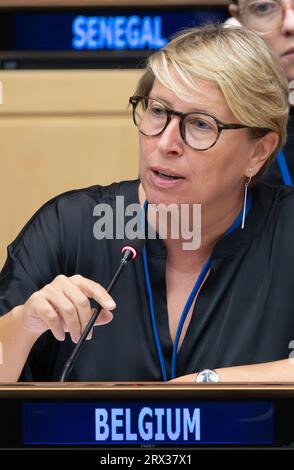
(198, 130)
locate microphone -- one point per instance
(130, 251)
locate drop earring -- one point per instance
(247, 182)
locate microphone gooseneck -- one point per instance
(130, 251)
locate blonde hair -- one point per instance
(239, 62)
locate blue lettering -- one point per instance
(116, 423)
(158, 41)
(106, 38)
(101, 426)
(92, 32)
(146, 33)
(129, 435)
(132, 33)
(157, 424)
(191, 423)
(173, 435)
(100, 44)
(79, 29)
(145, 429)
(119, 32)
(159, 412)
(109, 33)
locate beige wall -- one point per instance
(61, 130)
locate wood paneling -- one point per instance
(61, 130)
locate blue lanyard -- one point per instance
(201, 277)
(284, 170)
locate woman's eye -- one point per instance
(157, 111)
(265, 7)
(200, 124)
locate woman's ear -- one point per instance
(264, 148)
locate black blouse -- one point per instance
(244, 313)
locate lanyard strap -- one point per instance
(237, 223)
(284, 169)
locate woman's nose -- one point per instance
(170, 141)
(288, 19)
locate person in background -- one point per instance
(274, 21)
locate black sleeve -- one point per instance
(34, 258)
(58, 239)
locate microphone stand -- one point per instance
(128, 254)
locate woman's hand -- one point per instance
(63, 306)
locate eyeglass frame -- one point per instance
(134, 100)
(264, 33)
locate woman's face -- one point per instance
(206, 177)
(281, 40)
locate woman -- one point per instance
(211, 113)
(274, 21)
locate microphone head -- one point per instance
(132, 248)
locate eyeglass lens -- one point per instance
(198, 130)
(263, 16)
